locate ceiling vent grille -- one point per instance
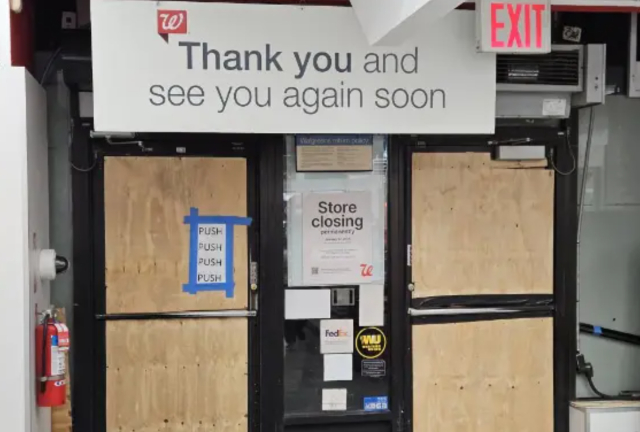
(559, 69)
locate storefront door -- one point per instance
(482, 250)
(474, 312)
(179, 310)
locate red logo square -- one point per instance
(172, 22)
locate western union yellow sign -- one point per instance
(370, 342)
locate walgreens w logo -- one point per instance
(172, 22)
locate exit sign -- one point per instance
(514, 26)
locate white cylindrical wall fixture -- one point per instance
(47, 264)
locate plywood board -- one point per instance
(490, 376)
(177, 376)
(480, 227)
(146, 241)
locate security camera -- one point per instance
(62, 264)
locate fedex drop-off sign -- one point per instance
(514, 26)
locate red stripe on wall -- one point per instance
(22, 28)
(22, 35)
(613, 9)
(466, 6)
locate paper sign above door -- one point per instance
(334, 153)
(252, 68)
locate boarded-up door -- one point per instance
(479, 228)
(168, 374)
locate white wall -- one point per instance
(5, 34)
(24, 229)
(60, 208)
(610, 245)
(38, 196)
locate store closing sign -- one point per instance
(337, 238)
(514, 26)
(254, 68)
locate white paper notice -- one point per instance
(212, 249)
(58, 365)
(337, 238)
(307, 304)
(554, 107)
(338, 367)
(334, 399)
(371, 306)
(336, 336)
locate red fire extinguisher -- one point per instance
(52, 341)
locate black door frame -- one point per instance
(268, 150)
(264, 156)
(357, 421)
(562, 148)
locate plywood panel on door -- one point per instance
(489, 376)
(480, 226)
(177, 375)
(167, 374)
(146, 240)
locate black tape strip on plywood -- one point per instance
(519, 306)
(542, 312)
(484, 300)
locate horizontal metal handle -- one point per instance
(236, 313)
(459, 311)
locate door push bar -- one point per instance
(229, 313)
(459, 311)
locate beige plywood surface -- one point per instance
(480, 226)
(491, 376)
(146, 240)
(177, 376)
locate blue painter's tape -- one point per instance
(193, 250)
(194, 220)
(229, 262)
(225, 220)
(597, 330)
(376, 403)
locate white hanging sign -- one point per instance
(337, 238)
(258, 68)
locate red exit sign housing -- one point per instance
(514, 26)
